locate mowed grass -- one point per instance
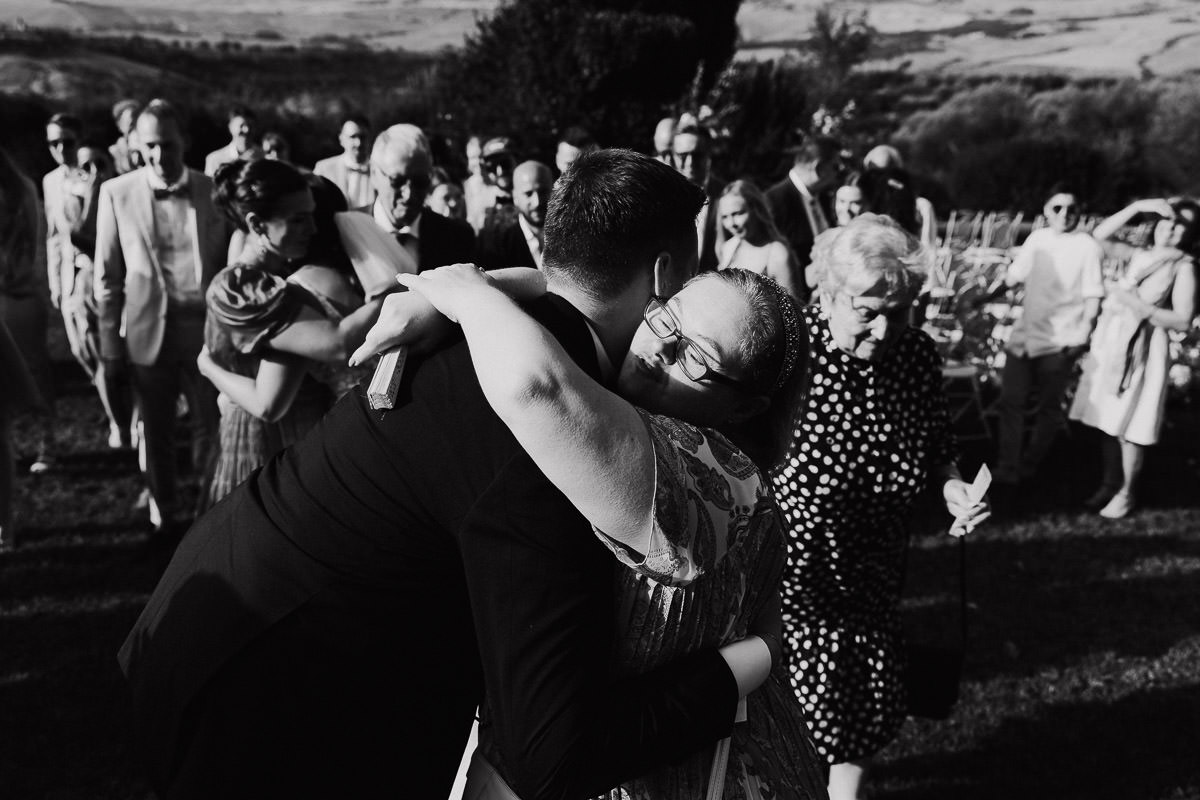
(1082, 678)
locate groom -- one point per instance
(329, 628)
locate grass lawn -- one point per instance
(1082, 677)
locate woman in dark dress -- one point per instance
(872, 434)
(275, 347)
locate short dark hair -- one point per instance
(243, 186)
(358, 119)
(1061, 187)
(610, 213)
(243, 111)
(577, 136)
(1190, 238)
(68, 122)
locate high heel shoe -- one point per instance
(1119, 506)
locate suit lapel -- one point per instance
(141, 210)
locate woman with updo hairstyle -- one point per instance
(749, 239)
(872, 433)
(275, 347)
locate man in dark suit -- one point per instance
(796, 202)
(691, 150)
(401, 163)
(518, 243)
(329, 628)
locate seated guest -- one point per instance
(519, 243)
(751, 240)
(242, 123)
(125, 155)
(401, 169)
(573, 142)
(350, 170)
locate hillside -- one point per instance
(1159, 37)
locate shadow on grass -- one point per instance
(1140, 746)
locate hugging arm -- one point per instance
(268, 395)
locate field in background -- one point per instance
(1159, 37)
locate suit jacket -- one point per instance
(130, 293)
(334, 168)
(60, 255)
(442, 240)
(502, 246)
(377, 552)
(788, 208)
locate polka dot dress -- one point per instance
(867, 438)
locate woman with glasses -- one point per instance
(749, 238)
(669, 471)
(872, 433)
(1123, 388)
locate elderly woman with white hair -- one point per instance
(873, 432)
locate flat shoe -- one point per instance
(1120, 506)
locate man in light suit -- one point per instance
(401, 163)
(243, 140)
(159, 242)
(351, 170)
(63, 133)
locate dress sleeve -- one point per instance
(707, 495)
(252, 305)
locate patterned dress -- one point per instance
(716, 555)
(247, 307)
(866, 441)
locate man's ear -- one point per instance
(666, 282)
(749, 408)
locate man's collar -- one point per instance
(158, 183)
(798, 182)
(385, 222)
(530, 234)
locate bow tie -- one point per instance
(176, 191)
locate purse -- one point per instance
(932, 673)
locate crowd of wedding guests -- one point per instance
(228, 301)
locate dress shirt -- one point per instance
(533, 239)
(176, 241)
(1061, 271)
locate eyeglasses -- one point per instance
(691, 358)
(865, 315)
(398, 182)
(1069, 209)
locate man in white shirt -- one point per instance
(243, 138)
(351, 170)
(159, 242)
(1060, 268)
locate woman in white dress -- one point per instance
(1123, 389)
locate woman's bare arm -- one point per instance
(267, 396)
(589, 442)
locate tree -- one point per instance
(839, 41)
(536, 67)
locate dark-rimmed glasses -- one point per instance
(692, 359)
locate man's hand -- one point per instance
(406, 318)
